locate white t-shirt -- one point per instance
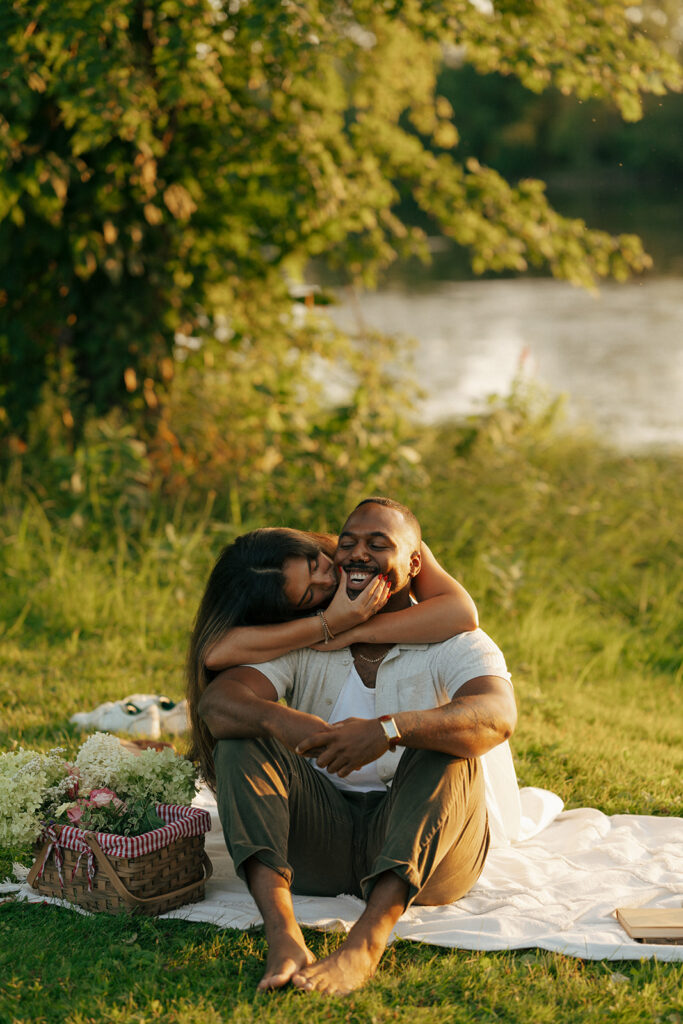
(356, 700)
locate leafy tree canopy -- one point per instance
(167, 166)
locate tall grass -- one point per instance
(572, 552)
(574, 556)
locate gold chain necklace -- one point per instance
(372, 661)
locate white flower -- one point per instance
(30, 785)
(100, 759)
(157, 777)
(36, 787)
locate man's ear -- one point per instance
(415, 563)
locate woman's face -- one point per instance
(309, 582)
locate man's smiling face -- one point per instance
(377, 540)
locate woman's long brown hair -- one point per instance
(245, 588)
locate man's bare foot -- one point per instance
(355, 962)
(287, 949)
(344, 971)
(286, 956)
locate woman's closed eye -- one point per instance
(308, 593)
(310, 596)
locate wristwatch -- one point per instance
(391, 730)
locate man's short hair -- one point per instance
(410, 517)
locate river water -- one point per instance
(617, 356)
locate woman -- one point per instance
(265, 597)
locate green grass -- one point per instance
(574, 556)
(123, 970)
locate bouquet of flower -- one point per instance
(106, 789)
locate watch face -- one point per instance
(390, 731)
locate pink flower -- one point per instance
(75, 813)
(102, 797)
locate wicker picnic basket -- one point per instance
(149, 874)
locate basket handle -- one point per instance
(38, 863)
(141, 901)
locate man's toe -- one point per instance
(276, 980)
(300, 980)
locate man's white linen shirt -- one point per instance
(412, 677)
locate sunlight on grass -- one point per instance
(573, 555)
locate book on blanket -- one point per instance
(652, 924)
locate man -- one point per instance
(369, 782)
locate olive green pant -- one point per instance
(430, 828)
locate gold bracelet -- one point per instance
(330, 634)
(326, 632)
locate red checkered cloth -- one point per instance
(182, 821)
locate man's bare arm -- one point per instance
(241, 703)
(480, 716)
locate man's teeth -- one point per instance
(359, 577)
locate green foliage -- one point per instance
(588, 49)
(296, 437)
(165, 167)
(133, 819)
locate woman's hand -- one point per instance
(343, 613)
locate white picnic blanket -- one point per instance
(557, 888)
